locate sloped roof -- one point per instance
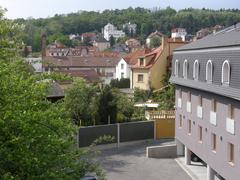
(80, 62)
(132, 58)
(55, 90)
(226, 37)
(156, 33)
(88, 74)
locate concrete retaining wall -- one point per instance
(165, 151)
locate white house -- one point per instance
(110, 30)
(122, 69)
(179, 33)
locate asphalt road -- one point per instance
(129, 162)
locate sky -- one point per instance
(48, 8)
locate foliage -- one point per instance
(141, 95)
(125, 106)
(122, 83)
(147, 21)
(38, 139)
(155, 42)
(59, 77)
(112, 41)
(165, 97)
(80, 102)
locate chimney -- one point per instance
(44, 45)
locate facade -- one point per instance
(151, 67)
(132, 28)
(206, 74)
(122, 69)
(101, 44)
(179, 33)
(110, 30)
(133, 44)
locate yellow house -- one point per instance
(151, 68)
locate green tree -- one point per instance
(155, 42)
(80, 101)
(37, 137)
(112, 41)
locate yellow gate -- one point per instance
(164, 123)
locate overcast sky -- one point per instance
(45, 8)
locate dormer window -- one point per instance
(195, 70)
(185, 69)
(226, 73)
(209, 71)
(176, 68)
(141, 61)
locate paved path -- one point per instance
(129, 162)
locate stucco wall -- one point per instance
(142, 85)
(217, 160)
(125, 70)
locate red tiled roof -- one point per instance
(132, 58)
(90, 75)
(89, 34)
(80, 62)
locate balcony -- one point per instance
(230, 126)
(200, 112)
(179, 102)
(189, 107)
(213, 118)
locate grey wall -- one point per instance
(136, 131)
(131, 131)
(87, 135)
(219, 160)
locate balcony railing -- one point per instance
(213, 118)
(189, 107)
(179, 102)
(230, 126)
(199, 111)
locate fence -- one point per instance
(164, 123)
(123, 132)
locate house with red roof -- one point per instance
(150, 68)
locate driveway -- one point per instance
(129, 162)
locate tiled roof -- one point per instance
(132, 58)
(156, 33)
(226, 37)
(90, 75)
(80, 62)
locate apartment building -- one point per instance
(207, 78)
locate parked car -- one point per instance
(195, 158)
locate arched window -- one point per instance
(185, 69)
(225, 72)
(176, 68)
(209, 71)
(195, 70)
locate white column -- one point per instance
(180, 148)
(187, 156)
(210, 173)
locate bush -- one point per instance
(122, 83)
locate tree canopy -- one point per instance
(147, 21)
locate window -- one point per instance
(122, 66)
(195, 70)
(141, 61)
(231, 157)
(189, 127)
(122, 75)
(200, 133)
(185, 69)
(225, 73)
(214, 142)
(209, 71)
(214, 105)
(231, 111)
(189, 96)
(180, 121)
(200, 100)
(180, 93)
(176, 68)
(140, 78)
